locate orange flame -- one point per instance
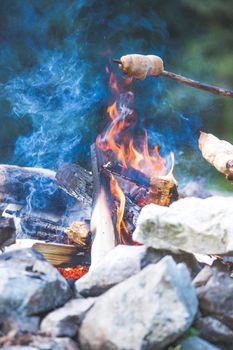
(120, 197)
(129, 153)
(150, 163)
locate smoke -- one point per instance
(54, 88)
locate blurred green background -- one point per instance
(194, 38)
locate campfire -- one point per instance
(126, 175)
(127, 242)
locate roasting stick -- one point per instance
(140, 66)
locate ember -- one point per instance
(74, 272)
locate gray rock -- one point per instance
(7, 232)
(123, 262)
(196, 225)
(202, 278)
(215, 293)
(196, 343)
(148, 310)
(45, 343)
(214, 330)
(19, 347)
(65, 321)
(29, 285)
(153, 256)
(20, 324)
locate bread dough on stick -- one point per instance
(217, 152)
(140, 66)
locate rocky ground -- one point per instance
(154, 296)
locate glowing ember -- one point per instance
(74, 272)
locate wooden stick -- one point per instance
(196, 84)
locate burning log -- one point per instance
(101, 223)
(140, 66)
(31, 186)
(217, 152)
(76, 181)
(161, 192)
(143, 190)
(43, 225)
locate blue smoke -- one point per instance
(55, 85)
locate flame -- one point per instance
(120, 208)
(122, 143)
(131, 153)
(113, 84)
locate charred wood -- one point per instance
(154, 190)
(34, 187)
(76, 181)
(42, 225)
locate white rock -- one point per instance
(192, 224)
(123, 262)
(119, 264)
(148, 310)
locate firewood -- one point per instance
(76, 181)
(43, 225)
(217, 152)
(18, 184)
(78, 232)
(161, 192)
(103, 231)
(63, 255)
(149, 190)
